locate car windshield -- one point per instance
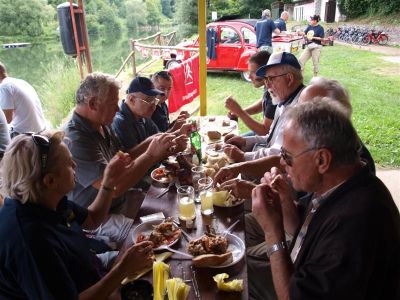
(229, 36)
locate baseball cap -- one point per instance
(277, 59)
(143, 85)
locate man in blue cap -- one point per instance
(133, 124)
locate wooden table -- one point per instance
(221, 219)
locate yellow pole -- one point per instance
(203, 64)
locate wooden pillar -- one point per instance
(202, 57)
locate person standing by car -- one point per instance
(280, 23)
(314, 34)
(264, 30)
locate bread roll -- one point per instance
(214, 135)
(207, 260)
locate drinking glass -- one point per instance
(206, 199)
(187, 210)
(197, 173)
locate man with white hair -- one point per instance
(264, 30)
(281, 22)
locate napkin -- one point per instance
(177, 289)
(235, 285)
(159, 257)
(160, 276)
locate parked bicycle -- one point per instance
(373, 37)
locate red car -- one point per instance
(230, 43)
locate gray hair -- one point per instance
(266, 13)
(96, 85)
(334, 90)
(323, 125)
(298, 76)
(284, 13)
(21, 169)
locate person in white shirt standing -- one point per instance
(21, 104)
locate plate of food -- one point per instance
(160, 232)
(225, 199)
(162, 175)
(216, 251)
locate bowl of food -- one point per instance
(159, 232)
(162, 175)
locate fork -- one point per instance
(229, 229)
(185, 234)
(166, 247)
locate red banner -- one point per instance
(185, 86)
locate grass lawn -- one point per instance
(374, 85)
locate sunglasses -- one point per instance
(43, 142)
(288, 158)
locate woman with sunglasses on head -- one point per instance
(314, 34)
(44, 253)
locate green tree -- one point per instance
(153, 8)
(166, 8)
(135, 15)
(20, 17)
(186, 16)
(253, 8)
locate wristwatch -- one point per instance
(276, 247)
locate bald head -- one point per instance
(321, 87)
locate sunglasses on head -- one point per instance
(43, 142)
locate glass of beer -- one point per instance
(205, 192)
(187, 210)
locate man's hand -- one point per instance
(177, 125)
(267, 209)
(183, 115)
(185, 129)
(232, 105)
(236, 140)
(181, 143)
(137, 258)
(239, 188)
(160, 146)
(280, 184)
(227, 173)
(234, 153)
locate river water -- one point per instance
(32, 63)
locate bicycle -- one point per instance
(373, 37)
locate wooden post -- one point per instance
(133, 58)
(202, 57)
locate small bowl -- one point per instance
(163, 179)
(137, 290)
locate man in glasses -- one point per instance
(93, 143)
(21, 104)
(133, 124)
(263, 105)
(162, 81)
(347, 242)
(282, 76)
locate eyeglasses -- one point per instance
(150, 101)
(270, 79)
(288, 158)
(43, 142)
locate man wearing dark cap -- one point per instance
(133, 124)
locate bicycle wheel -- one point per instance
(383, 40)
(365, 40)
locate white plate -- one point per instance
(238, 249)
(147, 227)
(237, 203)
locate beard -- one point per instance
(275, 99)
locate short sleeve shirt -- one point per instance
(91, 153)
(281, 24)
(318, 32)
(44, 253)
(161, 117)
(264, 29)
(268, 107)
(130, 129)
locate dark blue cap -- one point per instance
(277, 59)
(143, 85)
